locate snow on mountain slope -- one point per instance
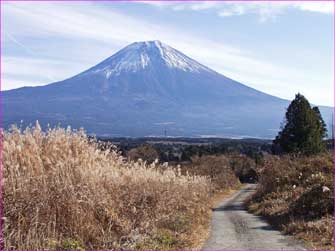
(140, 55)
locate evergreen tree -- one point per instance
(304, 129)
(321, 124)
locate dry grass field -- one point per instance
(60, 191)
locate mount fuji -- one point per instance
(145, 89)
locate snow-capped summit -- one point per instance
(143, 55)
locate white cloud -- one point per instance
(264, 10)
(318, 6)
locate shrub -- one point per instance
(297, 194)
(244, 167)
(61, 190)
(217, 168)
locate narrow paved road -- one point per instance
(233, 228)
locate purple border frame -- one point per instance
(1, 243)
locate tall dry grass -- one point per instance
(60, 191)
(297, 195)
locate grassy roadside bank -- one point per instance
(62, 191)
(296, 195)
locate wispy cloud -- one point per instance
(264, 10)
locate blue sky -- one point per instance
(280, 48)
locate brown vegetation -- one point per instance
(217, 168)
(296, 194)
(244, 167)
(61, 191)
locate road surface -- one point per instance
(233, 228)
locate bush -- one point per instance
(244, 167)
(217, 168)
(296, 194)
(61, 190)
